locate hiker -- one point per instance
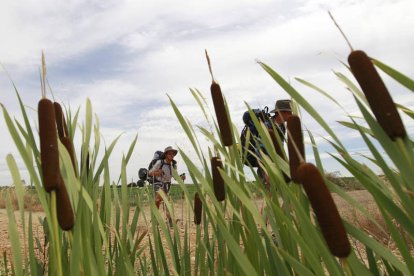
(283, 111)
(161, 171)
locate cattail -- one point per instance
(60, 121)
(65, 216)
(198, 208)
(279, 151)
(221, 114)
(218, 181)
(69, 147)
(377, 94)
(325, 210)
(49, 154)
(220, 109)
(295, 145)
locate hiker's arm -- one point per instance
(156, 169)
(155, 172)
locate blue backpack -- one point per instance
(254, 142)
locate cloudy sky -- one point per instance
(127, 56)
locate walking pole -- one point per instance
(182, 207)
(164, 207)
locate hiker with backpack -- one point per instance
(252, 152)
(161, 173)
(282, 112)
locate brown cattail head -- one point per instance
(218, 181)
(49, 154)
(60, 121)
(279, 151)
(295, 145)
(65, 216)
(198, 208)
(327, 214)
(69, 147)
(377, 94)
(221, 114)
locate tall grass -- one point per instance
(277, 235)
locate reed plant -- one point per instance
(233, 225)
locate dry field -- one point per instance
(347, 211)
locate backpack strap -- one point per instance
(173, 164)
(151, 166)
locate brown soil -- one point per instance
(181, 214)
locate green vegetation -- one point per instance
(176, 193)
(346, 183)
(115, 236)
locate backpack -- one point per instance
(249, 150)
(158, 155)
(142, 174)
(141, 183)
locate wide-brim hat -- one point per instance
(169, 148)
(282, 105)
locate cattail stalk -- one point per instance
(49, 154)
(60, 121)
(69, 147)
(218, 181)
(198, 208)
(295, 145)
(377, 94)
(276, 145)
(65, 215)
(279, 151)
(327, 214)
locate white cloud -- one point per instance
(127, 55)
